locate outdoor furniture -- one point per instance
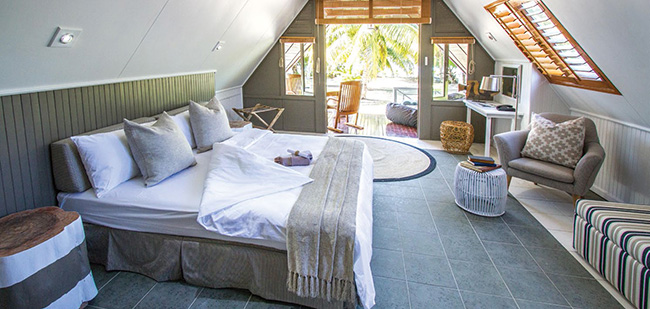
(43, 260)
(345, 102)
(402, 114)
(615, 239)
(576, 181)
(456, 136)
(248, 112)
(483, 194)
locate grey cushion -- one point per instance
(402, 114)
(160, 150)
(209, 124)
(67, 167)
(544, 169)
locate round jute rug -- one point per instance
(396, 161)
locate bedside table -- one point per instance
(43, 260)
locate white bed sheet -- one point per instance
(171, 207)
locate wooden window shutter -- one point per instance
(296, 39)
(548, 45)
(453, 40)
(373, 11)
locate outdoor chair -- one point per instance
(345, 102)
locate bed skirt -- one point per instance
(198, 261)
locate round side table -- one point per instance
(43, 260)
(483, 194)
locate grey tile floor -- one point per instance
(427, 253)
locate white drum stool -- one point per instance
(483, 194)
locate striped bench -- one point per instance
(615, 239)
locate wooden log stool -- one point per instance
(456, 136)
(43, 260)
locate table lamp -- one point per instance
(493, 83)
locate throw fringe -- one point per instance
(309, 286)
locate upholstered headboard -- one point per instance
(68, 170)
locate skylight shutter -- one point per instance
(373, 11)
(545, 42)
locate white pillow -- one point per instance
(183, 122)
(107, 160)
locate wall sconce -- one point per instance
(218, 46)
(64, 37)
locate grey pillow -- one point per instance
(159, 150)
(209, 124)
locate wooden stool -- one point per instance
(43, 260)
(456, 136)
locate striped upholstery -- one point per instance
(615, 239)
(627, 225)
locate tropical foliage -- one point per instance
(365, 51)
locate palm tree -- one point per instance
(366, 50)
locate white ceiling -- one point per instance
(614, 34)
(125, 39)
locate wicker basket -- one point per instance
(456, 136)
(483, 194)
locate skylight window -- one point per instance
(545, 42)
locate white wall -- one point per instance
(229, 98)
(625, 174)
(127, 40)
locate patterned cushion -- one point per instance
(626, 225)
(559, 143)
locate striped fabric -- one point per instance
(52, 274)
(627, 225)
(614, 238)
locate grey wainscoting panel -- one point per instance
(299, 115)
(30, 122)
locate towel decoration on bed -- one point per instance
(295, 158)
(321, 225)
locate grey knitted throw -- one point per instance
(321, 225)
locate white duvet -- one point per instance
(248, 195)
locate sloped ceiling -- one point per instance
(613, 33)
(125, 39)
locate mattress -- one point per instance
(171, 207)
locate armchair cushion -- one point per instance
(559, 143)
(544, 169)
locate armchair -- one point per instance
(576, 181)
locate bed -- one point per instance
(154, 231)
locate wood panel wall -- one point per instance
(30, 122)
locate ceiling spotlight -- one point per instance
(64, 37)
(218, 46)
(491, 37)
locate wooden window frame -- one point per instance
(541, 52)
(298, 40)
(370, 8)
(470, 41)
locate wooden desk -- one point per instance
(43, 260)
(489, 111)
(248, 112)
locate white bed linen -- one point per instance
(172, 206)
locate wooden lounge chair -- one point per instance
(346, 102)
